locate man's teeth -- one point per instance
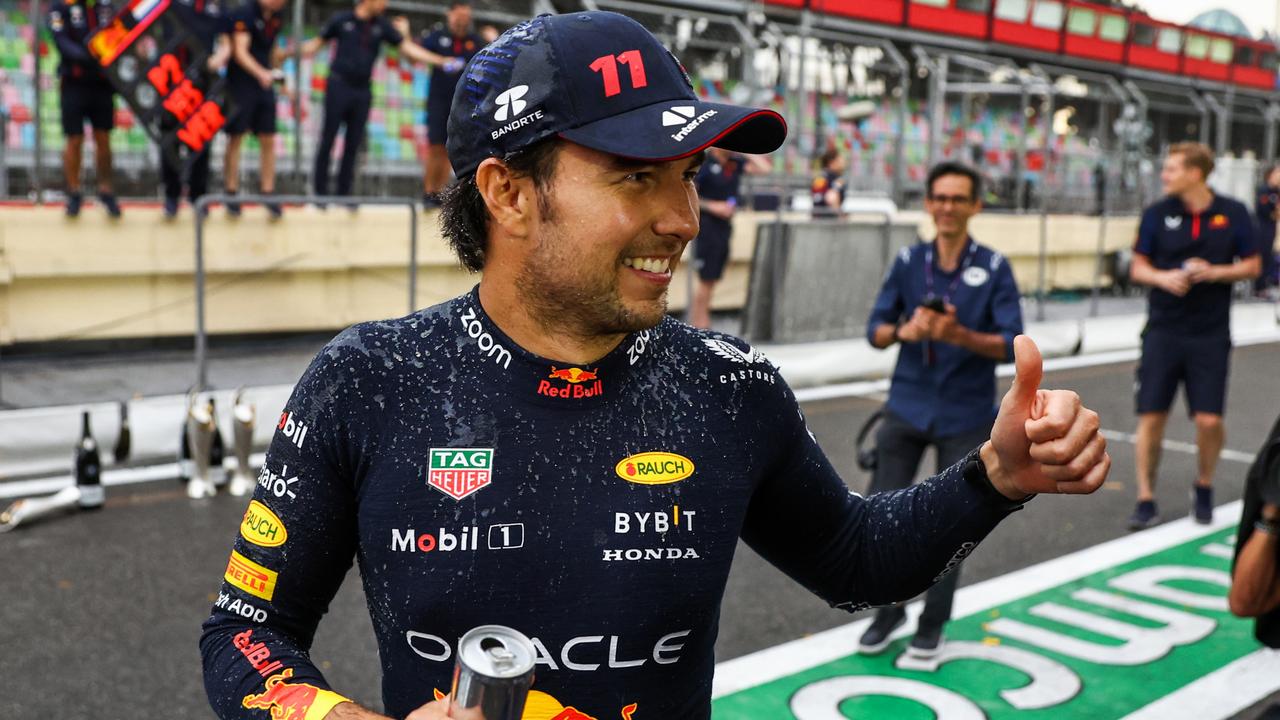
(653, 265)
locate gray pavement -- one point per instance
(101, 611)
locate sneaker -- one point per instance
(274, 210)
(1202, 510)
(74, 200)
(233, 206)
(1145, 514)
(430, 201)
(927, 642)
(170, 208)
(876, 637)
(109, 203)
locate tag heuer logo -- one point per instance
(678, 115)
(458, 472)
(509, 103)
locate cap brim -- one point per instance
(674, 129)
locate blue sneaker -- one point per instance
(170, 208)
(1203, 508)
(74, 200)
(109, 203)
(1144, 515)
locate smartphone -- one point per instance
(934, 303)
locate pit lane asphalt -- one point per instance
(101, 611)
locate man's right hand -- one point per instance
(265, 79)
(1175, 282)
(918, 327)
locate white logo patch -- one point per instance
(1173, 223)
(677, 115)
(975, 276)
(729, 351)
(509, 103)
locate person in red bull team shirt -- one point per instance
(552, 452)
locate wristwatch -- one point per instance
(1270, 527)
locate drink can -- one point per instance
(493, 674)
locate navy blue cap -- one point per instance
(598, 79)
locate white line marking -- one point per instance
(1221, 693)
(871, 387)
(121, 476)
(823, 647)
(1177, 446)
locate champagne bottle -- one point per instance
(88, 467)
(124, 441)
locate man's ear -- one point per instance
(509, 197)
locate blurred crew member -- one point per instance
(553, 452)
(719, 182)
(953, 306)
(207, 25)
(1268, 211)
(1255, 577)
(1192, 246)
(250, 83)
(827, 189)
(455, 40)
(85, 95)
(358, 36)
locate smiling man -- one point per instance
(552, 452)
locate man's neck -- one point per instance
(1198, 199)
(949, 249)
(504, 305)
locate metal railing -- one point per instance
(201, 213)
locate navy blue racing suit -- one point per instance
(596, 508)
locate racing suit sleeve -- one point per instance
(857, 552)
(295, 545)
(69, 47)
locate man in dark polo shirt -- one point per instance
(250, 81)
(827, 189)
(1192, 245)
(357, 36)
(719, 184)
(1267, 211)
(85, 95)
(952, 305)
(457, 40)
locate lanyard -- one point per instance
(955, 282)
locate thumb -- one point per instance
(1028, 372)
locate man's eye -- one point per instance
(638, 177)
(691, 175)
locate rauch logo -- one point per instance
(654, 468)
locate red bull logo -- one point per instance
(292, 701)
(541, 706)
(582, 384)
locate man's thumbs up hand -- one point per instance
(1043, 441)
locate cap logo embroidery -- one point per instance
(678, 115)
(509, 103)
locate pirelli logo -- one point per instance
(250, 577)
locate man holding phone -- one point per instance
(953, 306)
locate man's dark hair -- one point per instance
(459, 3)
(829, 157)
(955, 168)
(464, 218)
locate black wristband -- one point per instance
(975, 473)
(897, 326)
(1270, 527)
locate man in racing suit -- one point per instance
(552, 452)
